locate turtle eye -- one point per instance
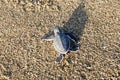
(57, 30)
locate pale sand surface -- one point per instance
(23, 56)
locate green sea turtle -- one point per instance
(63, 42)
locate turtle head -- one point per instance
(56, 30)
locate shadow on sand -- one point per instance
(75, 24)
(77, 21)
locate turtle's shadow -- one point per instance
(77, 21)
(75, 24)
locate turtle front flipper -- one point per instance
(74, 48)
(48, 37)
(74, 42)
(59, 58)
(73, 38)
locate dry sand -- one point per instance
(23, 56)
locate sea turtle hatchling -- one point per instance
(63, 42)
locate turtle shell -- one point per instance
(61, 43)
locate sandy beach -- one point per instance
(95, 23)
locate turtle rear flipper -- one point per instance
(59, 58)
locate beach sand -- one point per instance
(23, 56)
